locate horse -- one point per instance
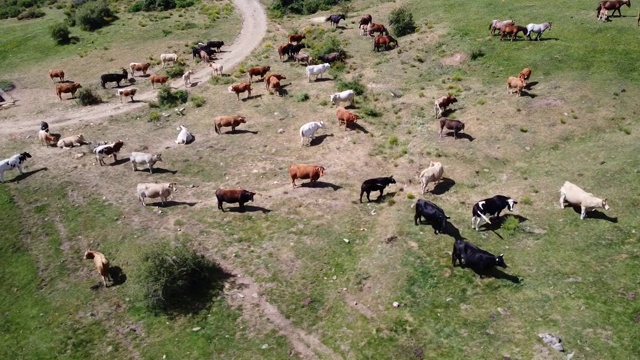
(612, 5)
(381, 40)
(537, 28)
(377, 28)
(512, 30)
(335, 19)
(497, 25)
(365, 20)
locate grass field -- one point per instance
(329, 265)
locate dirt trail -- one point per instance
(254, 28)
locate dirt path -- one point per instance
(254, 28)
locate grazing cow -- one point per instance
(14, 162)
(376, 184)
(456, 125)
(306, 59)
(126, 92)
(240, 88)
(139, 67)
(302, 172)
(491, 207)
(56, 73)
(330, 57)
(268, 78)
(574, 195)
(240, 196)
(217, 44)
(497, 25)
(512, 30)
(296, 38)
(432, 213)
(384, 40)
(258, 71)
(284, 50)
(515, 83)
(228, 121)
(432, 174)
(184, 137)
(524, 75)
(216, 69)
(443, 103)
(116, 78)
(273, 85)
(111, 149)
(376, 28)
(308, 130)
(67, 88)
(48, 139)
(71, 141)
(317, 70)
(168, 58)
(346, 117)
(101, 263)
(153, 190)
(140, 158)
(613, 5)
(340, 97)
(187, 77)
(158, 79)
(335, 19)
(295, 49)
(202, 52)
(480, 261)
(365, 20)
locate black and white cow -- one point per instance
(480, 261)
(377, 184)
(432, 213)
(13, 162)
(491, 207)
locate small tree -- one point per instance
(60, 33)
(401, 22)
(94, 15)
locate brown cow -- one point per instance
(158, 79)
(56, 73)
(67, 88)
(524, 75)
(274, 85)
(240, 88)
(48, 139)
(365, 20)
(345, 117)
(455, 125)
(312, 172)
(231, 196)
(515, 83)
(139, 67)
(284, 50)
(126, 92)
(258, 71)
(268, 78)
(512, 30)
(228, 121)
(443, 103)
(296, 38)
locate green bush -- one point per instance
(221, 80)
(401, 22)
(9, 11)
(329, 44)
(31, 13)
(94, 15)
(302, 97)
(354, 85)
(60, 33)
(177, 70)
(86, 97)
(198, 100)
(136, 7)
(511, 224)
(154, 116)
(168, 98)
(371, 111)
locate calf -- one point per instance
(432, 213)
(56, 73)
(443, 103)
(491, 207)
(240, 196)
(228, 121)
(184, 137)
(515, 83)
(216, 69)
(340, 97)
(306, 59)
(71, 141)
(158, 79)
(376, 184)
(139, 67)
(296, 38)
(67, 88)
(480, 261)
(187, 77)
(268, 78)
(14, 162)
(524, 75)
(116, 78)
(126, 92)
(163, 191)
(144, 159)
(273, 85)
(284, 50)
(258, 71)
(573, 194)
(431, 174)
(308, 130)
(346, 117)
(240, 88)
(111, 149)
(311, 172)
(101, 263)
(455, 125)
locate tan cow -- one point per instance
(228, 121)
(67, 88)
(345, 117)
(240, 88)
(515, 83)
(312, 172)
(158, 79)
(53, 73)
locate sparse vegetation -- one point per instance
(301, 97)
(354, 84)
(279, 8)
(7, 85)
(371, 111)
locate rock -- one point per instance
(196, 329)
(265, 346)
(396, 304)
(79, 155)
(527, 148)
(552, 340)
(307, 301)
(346, 240)
(570, 356)
(280, 131)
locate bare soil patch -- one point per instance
(455, 60)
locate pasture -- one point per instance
(316, 272)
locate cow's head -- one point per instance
(88, 254)
(157, 157)
(173, 186)
(24, 156)
(605, 204)
(267, 68)
(452, 99)
(461, 127)
(248, 195)
(321, 124)
(511, 203)
(391, 180)
(320, 170)
(500, 261)
(242, 119)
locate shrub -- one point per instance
(168, 98)
(526, 200)
(279, 8)
(401, 22)
(86, 97)
(94, 15)
(154, 116)
(354, 85)
(301, 97)
(136, 7)
(511, 224)
(393, 141)
(9, 11)
(60, 33)
(177, 70)
(476, 54)
(329, 44)
(197, 100)
(7, 85)
(221, 80)
(410, 196)
(371, 111)
(31, 13)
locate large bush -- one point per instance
(279, 8)
(86, 97)
(177, 70)
(31, 13)
(60, 33)
(401, 22)
(168, 98)
(329, 44)
(93, 15)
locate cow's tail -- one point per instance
(484, 217)
(217, 128)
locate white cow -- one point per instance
(317, 70)
(572, 194)
(163, 191)
(308, 130)
(144, 159)
(431, 174)
(216, 69)
(343, 96)
(187, 77)
(184, 137)
(168, 58)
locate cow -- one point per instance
(71, 141)
(497, 25)
(432, 213)
(480, 261)
(204, 56)
(56, 73)
(186, 77)
(311, 172)
(330, 57)
(384, 40)
(515, 83)
(228, 121)
(573, 194)
(67, 88)
(202, 52)
(240, 196)
(491, 207)
(335, 19)
(346, 117)
(158, 79)
(376, 184)
(48, 139)
(376, 28)
(296, 38)
(140, 158)
(295, 49)
(317, 70)
(340, 97)
(14, 162)
(101, 262)
(524, 75)
(240, 88)
(273, 85)
(440, 105)
(308, 130)
(216, 69)
(431, 174)
(512, 30)
(258, 71)
(270, 76)
(306, 59)
(168, 58)
(116, 78)
(284, 50)
(126, 92)
(365, 20)
(217, 44)
(184, 136)
(110, 149)
(456, 125)
(139, 67)
(154, 190)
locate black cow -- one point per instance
(432, 213)
(116, 78)
(330, 58)
(240, 196)
(215, 44)
(295, 49)
(480, 261)
(44, 126)
(491, 207)
(377, 184)
(195, 51)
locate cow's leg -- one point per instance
(20, 169)
(563, 196)
(416, 218)
(362, 193)
(242, 207)
(583, 212)
(381, 191)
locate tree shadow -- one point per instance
(460, 135)
(595, 214)
(241, 131)
(27, 174)
(321, 185)
(118, 276)
(249, 208)
(319, 139)
(496, 223)
(443, 186)
(171, 203)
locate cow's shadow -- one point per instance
(443, 186)
(120, 161)
(322, 79)
(321, 185)
(241, 131)
(118, 276)
(159, 171)
(357, 127)
(460, 135)
(595, 214)
(191, 140)
(27, 174)
(194, 84)
(448, 112)
(452, 231)
(319, 139)
(496, 223)
(171, 203)
(251, 97)
(528, 94)
(378, 197)
(530, 85)
(498, 274)
(144, 75)
(249, 208)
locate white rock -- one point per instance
(280, 131)
(346, 240)
(265, 346)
